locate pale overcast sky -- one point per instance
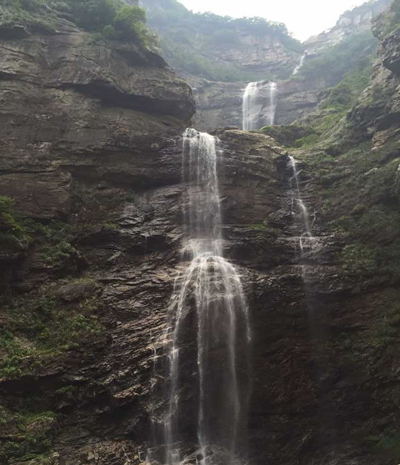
(303, 18)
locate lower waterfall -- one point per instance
(209, 303)
(259, 105)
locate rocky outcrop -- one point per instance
(238, 47)
(70, 107)
(391, 58)
(352, 22)
(379, 106)
(219, 104)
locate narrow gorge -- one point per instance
(171, 296)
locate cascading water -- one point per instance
(254, 112)
(250, 107)
(310, 250)
(308, 243)
(208, 302)
(300, 65)
(273, 88)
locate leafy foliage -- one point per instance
(355, 53)
(54, 241)
(189, 39)
(12, 232)
(112, 18)
(288, 135)
(392, 17)
(42, 327)
(33, 439)
(361, 198)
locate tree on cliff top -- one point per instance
(113, 18)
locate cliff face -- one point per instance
(352, 22)
(221, 48)
(91, 153)
(73, 102)
(90, 135)
(219, 104)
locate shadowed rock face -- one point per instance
(70, 109)
(109, 164)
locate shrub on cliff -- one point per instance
(391, 18)
(112, 18)
(12, 234)
(189, 40)
(93, 15)
(355, 53)
(129, 25)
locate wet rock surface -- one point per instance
(324, 378)
(219, 104)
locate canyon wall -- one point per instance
(91, 153)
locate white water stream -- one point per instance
(307, 242)
(301, 64)
(255, 113)
(209, 304)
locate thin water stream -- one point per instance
(307, 241)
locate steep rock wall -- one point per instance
(219, 104)
(357, 20)
(110, 168)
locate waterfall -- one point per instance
(273, 88)
(250, 107)
(209, 319)
(307, 242)
(255, 113)
(300, 65)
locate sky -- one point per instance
(303, 18)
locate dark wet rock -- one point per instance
(324, 378)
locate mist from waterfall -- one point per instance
(255, 114)
(209, 303)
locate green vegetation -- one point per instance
(358, 259)
(40, 328)
(353, 55)
(189, 40)
(388, 442)
(345, 94)
(111, 18)
(31, 436)
(337, 101)
(188, 59)
(53, 240)
(288, 135)
(360, 200)
(392, 18)
(12, 233)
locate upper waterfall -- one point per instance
(259, 105)
(300, 65)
